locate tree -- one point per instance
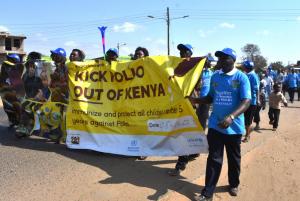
(251, 51)
(260, 63)
(277, 65)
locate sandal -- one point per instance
(246, 139)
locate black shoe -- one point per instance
(141, 158)
(233, 191)
(193, 157)
(202, 198)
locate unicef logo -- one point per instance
(133, 143)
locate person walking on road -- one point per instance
(276, 97)
(292, 82)
(202, 110)
(186, 52)
(248, 67)
(230, 95)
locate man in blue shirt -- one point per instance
(186, 52)
(254, 84)
(298, 89)
(292, 83)
(202, 110)
(272, 73)
(230, 95)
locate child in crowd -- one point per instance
(276, 97)
(45, 81)
(261, 106)
(33, 84)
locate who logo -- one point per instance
(133, 143)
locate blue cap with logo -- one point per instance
(59, 51)
(248, 64)
(16, 57)
(114, 50)
(226, 51)
(185, 47)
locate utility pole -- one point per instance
(168, 29)
(168, 20)
(119, 45)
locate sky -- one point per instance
(273, 25)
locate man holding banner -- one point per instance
(230, 95)
(186, 52)
(133, 108)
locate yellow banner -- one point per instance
(134, 107)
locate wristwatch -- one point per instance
(231, 117)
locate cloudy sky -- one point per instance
(274, 25)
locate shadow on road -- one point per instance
(261, 130)
(121, 169)
(293, 106)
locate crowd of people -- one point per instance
(237, 96)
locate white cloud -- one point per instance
(71, 44)
(298, 18)
(263, 33)
(126, 27)
(3, 29)
(227, 25)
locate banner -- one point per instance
(135, 108)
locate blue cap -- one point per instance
(185, 47)
(270, 67)
(114, 50)
(210, 58)
(248, 64)
(16, 57)
(59, 51)
(227, 51)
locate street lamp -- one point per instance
(167, 19)
(120, 45)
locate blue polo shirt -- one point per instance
(272, 74)
(205, 82)
(254, 84)
(228, 90)
(292, 80)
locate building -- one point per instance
(11, 44)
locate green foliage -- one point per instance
(277, 65)
(252, 52)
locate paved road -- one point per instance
(35, 169)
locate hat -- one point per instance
(227, 51)
(185, 47)
(16, 57)
(114, 50)
(59, 51)
(248, 64)
(210, 58)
